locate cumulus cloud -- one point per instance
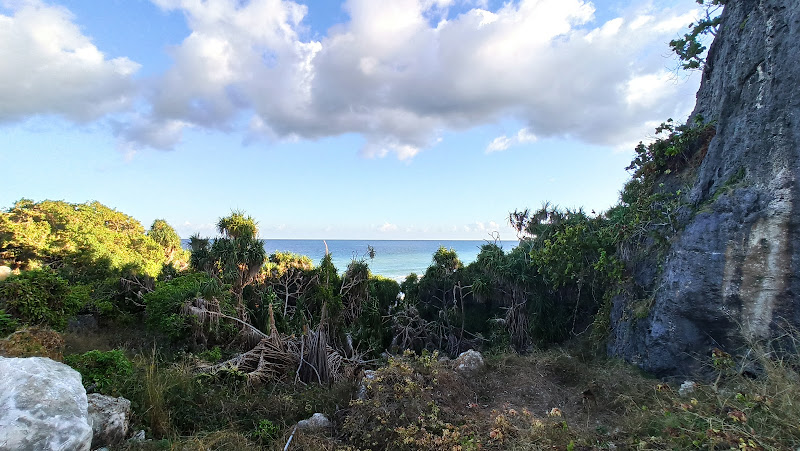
(399, 79)
(47, 66)
(399, 72)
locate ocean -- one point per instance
(394, 259)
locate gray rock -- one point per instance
(469, 362)
(731, 274)
(43, 406)
(110, 419)
(138, 437)
(362, 387)
(687, 388)
(317, 422)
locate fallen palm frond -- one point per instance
(274, 356)
(269, 360)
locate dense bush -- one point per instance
(40, 297)
(105, 371)
(164, 304)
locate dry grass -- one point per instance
(33, 342)
(563, 398)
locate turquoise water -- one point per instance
(393, 258)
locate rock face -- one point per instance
(732, 273)
(43, 406)
(110, 419)
(469, 362)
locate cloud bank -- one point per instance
(47, 66)
(399, 73)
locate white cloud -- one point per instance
(393, 77)
(504, 142)
(498, 144)
(398, 72)
(388, 227)
(47, 66)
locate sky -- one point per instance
(325, 119)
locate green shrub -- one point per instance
(83, 241)
(213, 355)
(7, 323)
(267, 431)
(104, 370)
(163, 305)
(40, 297)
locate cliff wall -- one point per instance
(732, 271)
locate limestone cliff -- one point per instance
(732, 271)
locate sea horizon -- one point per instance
(395, 259)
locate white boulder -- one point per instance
(5, 271)
(317, 422)
(43, 406)
(469, 361)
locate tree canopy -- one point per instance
(70, 237)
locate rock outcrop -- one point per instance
(110, 419)
(43, 406)
(732, 272)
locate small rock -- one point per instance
(138, 437)
(317, 422)
(110, 419)
(469, 361)
(687, 388)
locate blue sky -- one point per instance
(363, 119)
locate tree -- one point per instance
(690, 50)
(77, 240)
(237, 225)
(290, 275)
(163, 234)
(235, 258)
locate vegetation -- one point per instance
(101, 371)
(77, 240)
(245, 344)
(690, 48)
(89, 258)
(40, 297)
(231, 350)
